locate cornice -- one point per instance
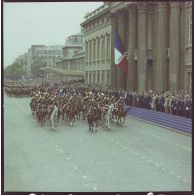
(142, 6)
(174, 4)
(132, 9)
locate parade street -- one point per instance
(137, 156)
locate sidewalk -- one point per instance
(160, 118)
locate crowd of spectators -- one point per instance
(171, 102)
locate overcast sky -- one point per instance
(26, 24)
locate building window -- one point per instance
(190, 29)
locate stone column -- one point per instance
(86, 54)
(105, 78)
(175, 45)
(100, 82)
(142, 46)
(113, 67)
(101, 50)
(121, 77)
(88, 42)
(162, 45)
(154, 46)
(92, 52)
(105, 49)
(88, 81)
(132, 46)
(96, 76)
(102, 77)
(97, 52)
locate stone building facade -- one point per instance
(97, 34)
(49, 54)
(157, 37)
(73, 58)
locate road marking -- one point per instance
(162, 138)
(144, 158)
(125, 147)
(149, 161)
(156, 165)
(75, 167)
(94, 188)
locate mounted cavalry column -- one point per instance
(142, 46)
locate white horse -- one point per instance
(53, 118)
(109, 115)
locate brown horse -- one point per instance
(118, 114)
(90, 119)
(121, 114)
(71, 113)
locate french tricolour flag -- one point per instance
(120, 54)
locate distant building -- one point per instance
(49, 54)
(31, 58)
(73, 58)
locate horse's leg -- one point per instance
(123, 120)
(41, 120)
(89, 125)
(58, 117)
(83, 115)
(119, 120)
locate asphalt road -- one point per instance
(135, 157)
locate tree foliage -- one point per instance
(14, 71)
(35, 68)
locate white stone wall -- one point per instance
(98, 48)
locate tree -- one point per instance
(14, 71)
(37, 64)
